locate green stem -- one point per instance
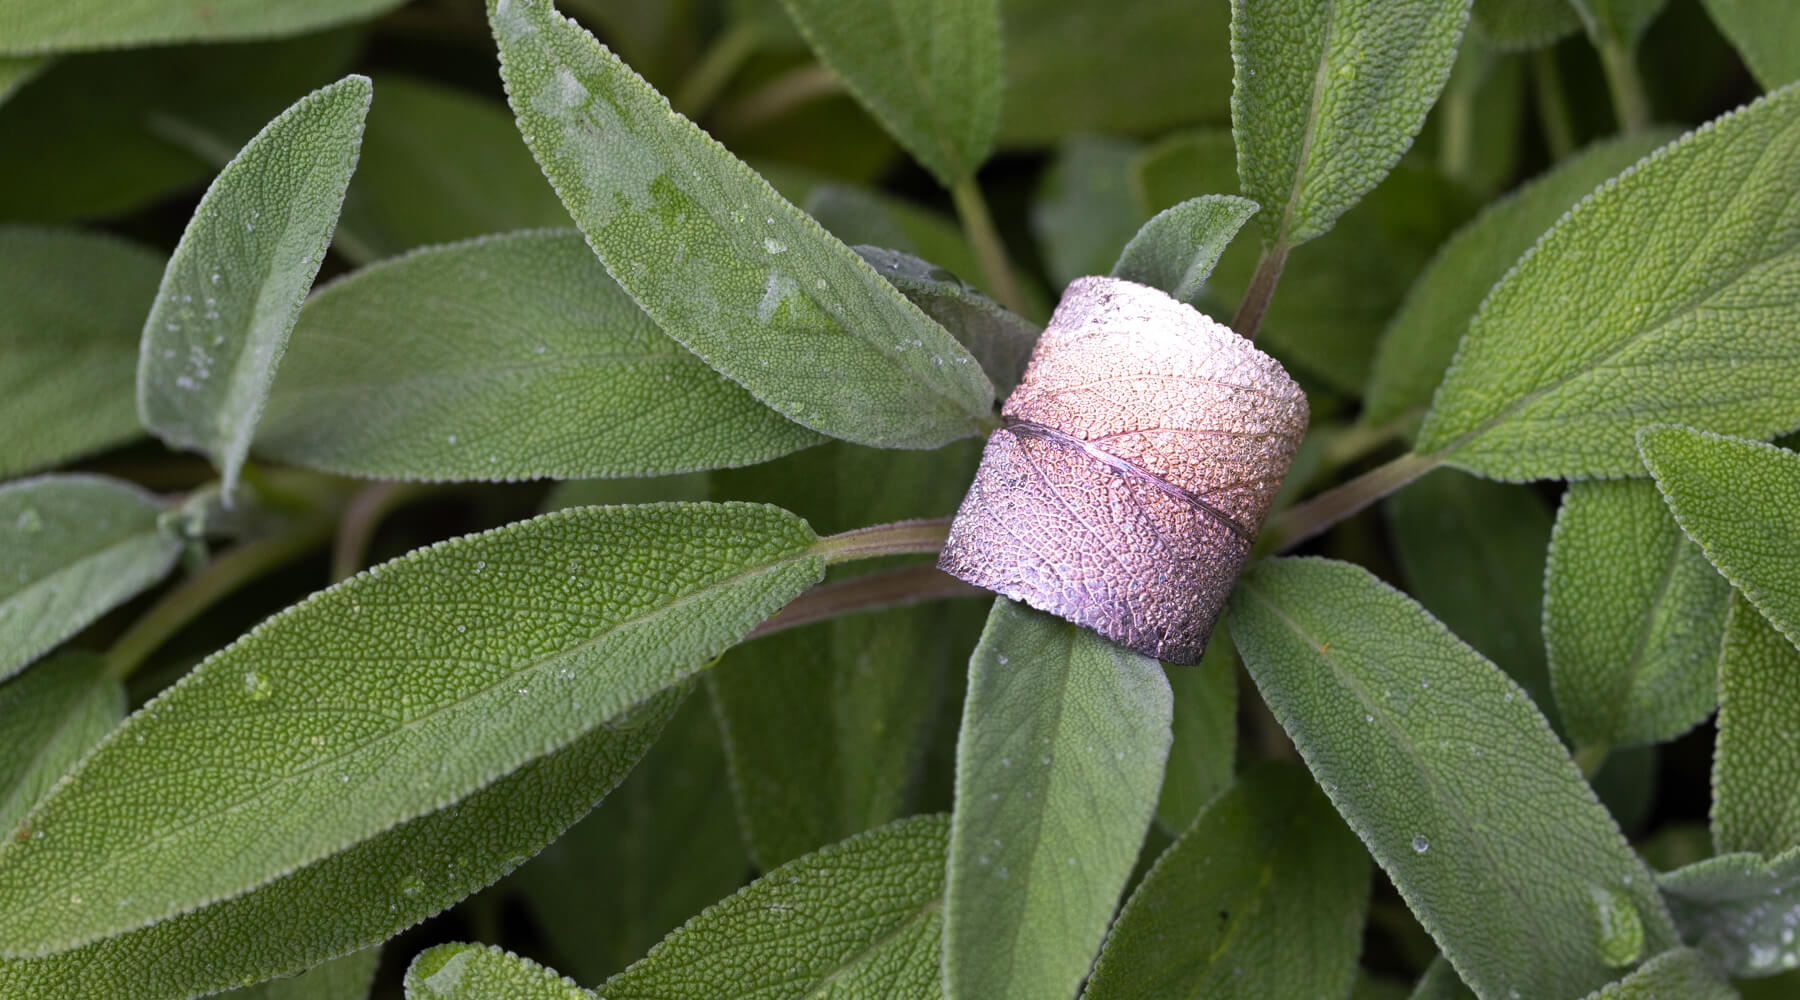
(1629, 101)
(899, 538)
(1552, 104)
(871, 592)
(990, 252)
(1303, 521)
(1262, 289)
(718, 64)
(777, 98)
(1591, 759)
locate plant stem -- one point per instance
(1629, 101)
(718, 64)
(1303, 521)
(362, 515)
(990, 252)
(872, 592)
(777, 98)
(899, 538)
(1262, 289)
(1552, 104)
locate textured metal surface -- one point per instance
(1141, 453)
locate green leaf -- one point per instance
(664, 845)
(1176, 250)
(1327, 96)
(1441, 983)
(999, 339)
(928, 71)
(99, 24)
(419, 367)
(1633, 617)
(439, 164)
(17, 71)
(1618, 316)
(1064, 738)
(75, 305)
(1084, 213)
(51, 716)
(858, 918)
(233, 288)
(344, 978)
(1767, 35)
(1739, 910)
(1451, 777)
(1621, 22)
(1523, 24)
(1740, 501)
(307, 736)
(1755, 769)
(1262, 897)
(484, 972)
(1421, 338)
(1203, 751)
(1681, 972)
(76, 547)
(724, 264)
(360, 897)
(1472, 553)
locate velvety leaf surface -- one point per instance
(1453, 780)
(1327, 95)
(1440, 983)
(51, 717)
(1739, 909)
(75, 305)
(1756, 766)
(484, 972)
(99, 24)
(356, 898)
(928, 70)
(516, 642)
(76, 547)
(724, 264)
(1681, 972)
(419, 368)
(1421, 338)
(1523, 24)
(233, 288)
(1176, 250)
(344, 978)
(1084, 213)
(1263, 896)
(1203, 752)
(1063, 742)
(1633, 617)
(1000, 340)
(861, 918)
(1767, 35)
(1618, 316)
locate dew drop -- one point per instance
(1618, 929)
(257, 686)
(29, 521)
(1420, 844)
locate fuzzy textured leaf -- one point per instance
(861, 918)
(1453, 780)
(1264, 896)
(724, 264)
(1523, 24)
(419, 368)
(1440, 983)
(1633, 617)
(51, 716)
(1203, 751)
(1327, 95)
(1176, 250)
(233, 288)
(75, 305)
(1620, 315)
(512, 649)
(1739, 909)
(483, 972)
(27, 28)
(76, 547)
(344, 978)
(1680, 972)
(1766, 34)
(1756, 766)
(999, 339)
(1064, 738)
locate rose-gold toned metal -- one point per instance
(1140, 455)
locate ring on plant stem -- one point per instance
(1140, 454)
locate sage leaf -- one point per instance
(1739, 910)
(1681, 972)
(1327, 95)
(1523, 24)
(345, 978)
(999, 339)
(724, 264)
(1264, 896)
(1441, 983)
(75, 305)
(17, 71)
(1176, 250)
(359, 897)
(930, 72)
(859, 918)
(333, 738)
(51, 716)
(233, 288)
(1765, 34)
(1064, 738)
(1633, 617)
(1617, 22)
(483, 972)
(1617, 316)
(1084, 212)
(1740, 501)
(419, 367)
(1203, 750)
(76, 547)
(1451, 777)
(1755, 766)
(1420, 340)
(97, 24)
